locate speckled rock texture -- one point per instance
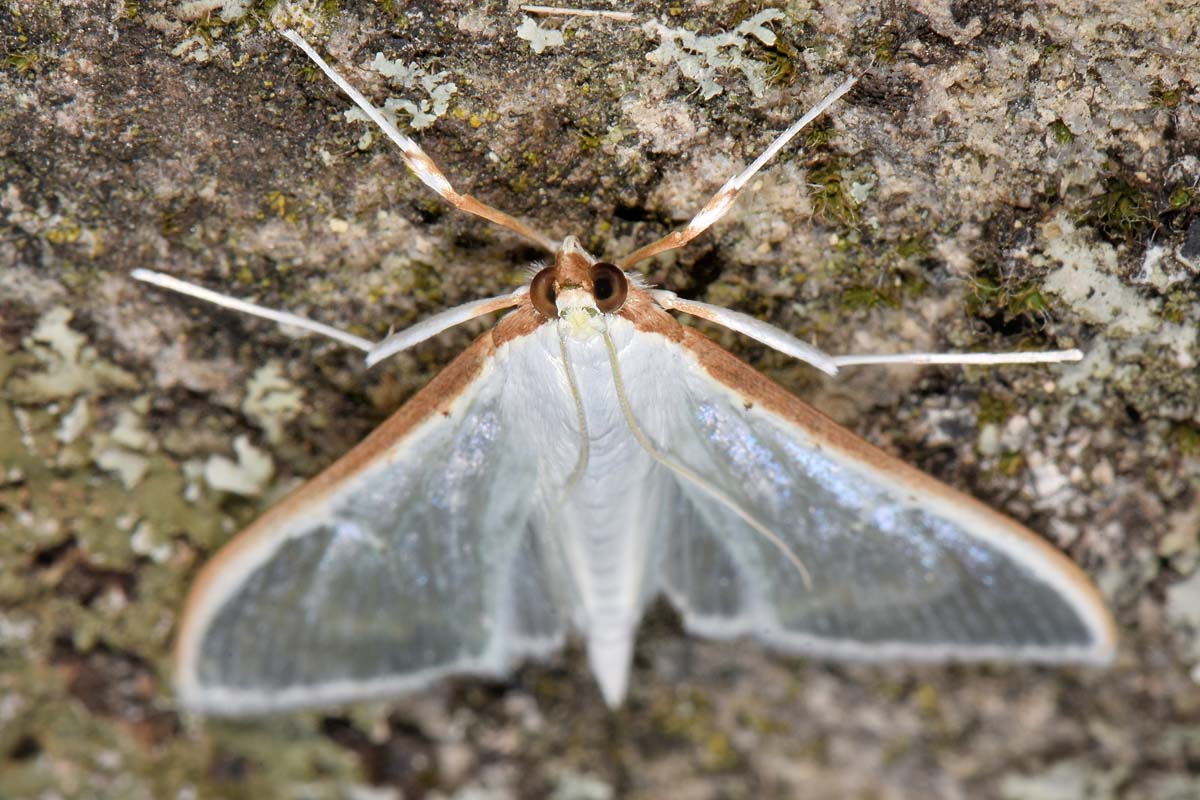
(1007, 175)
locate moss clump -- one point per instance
(1181, 198)
(781, 69)
(1166, 97)
(831, 196)
(883, 48)
(280, 205)
(66, 233)
(993, 410)
(689, 716)
(992, 294)
(1011, 464)
(22, 61)
(865, 298)
(1186, 439)
(1062, 134)
(1123, 211)
(818, 136)
(1178, 306)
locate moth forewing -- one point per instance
(406, 560)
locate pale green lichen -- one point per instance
(414, 79)
(1183, 611)
(1086, 279)
(540, 39)
(249, 475)
(272, 401)
(74, 422)
(1075, 779)
(129, 467)
(225, 10)
(69, 366)
(123, 451)
(702, 59)
(147, 541)
(1181, 545)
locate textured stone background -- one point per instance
(1008, 175)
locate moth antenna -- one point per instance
(584, 438)
(681, 470)
(244, 306)
(1035, 357)
(720, 202)
(422, 165)
(432, 326)
(756, 329)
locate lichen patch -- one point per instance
(703, 59)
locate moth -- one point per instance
(584, 456)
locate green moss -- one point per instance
(914, 246)
(818, 136)
(1166, 97)
(1011, 464)
(781, 67)
(781, 59)
(1028, 300)
(262, 9)
(1178, 306)
(279, 204)
(1062, 134)
(993, 410)
(831, 196)
(22, 61)
(883, 48)
(1181, 198)
(864, 298)
(1122, 211)
(928, 701)
(727, 294)
(992, 294)
(1186, 439)
(688, 716)
(66, 233)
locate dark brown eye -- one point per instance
(609, 287)
(541, 293)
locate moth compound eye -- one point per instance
(609, 287)
(541, 293)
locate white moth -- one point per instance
(584, 456)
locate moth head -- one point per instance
(579, 290)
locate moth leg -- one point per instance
(554, 11)
(1032, 357)
(282, 317)
(432, 326)
(422, 165)
(784, 342)
(716, 207)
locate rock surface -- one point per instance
(1007, 175)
